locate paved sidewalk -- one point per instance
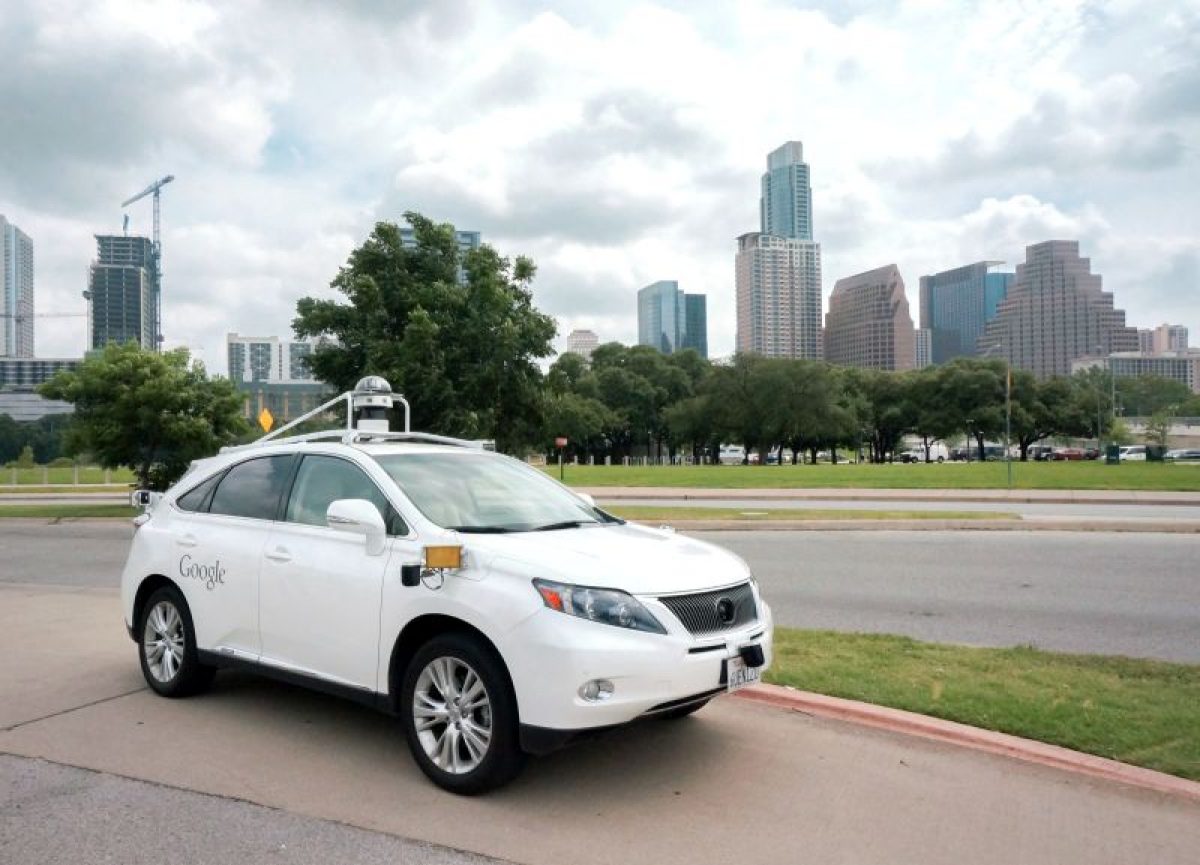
(737, 782)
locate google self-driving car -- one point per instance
(494, 611)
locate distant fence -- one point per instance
(51, 476)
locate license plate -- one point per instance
(738, 675)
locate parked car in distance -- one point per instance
(1183, 455)
(731, 455)
(1072, 454)
(1133, 453)
(1040, 453)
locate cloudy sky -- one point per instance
(615, 143)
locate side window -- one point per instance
(322, 480)
(195, 498)
(252, 488)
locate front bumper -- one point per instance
(551, 655)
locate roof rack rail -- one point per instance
(372, 396)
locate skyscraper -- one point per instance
(267, 358)
(695, 335)
(785, 209)
(1056, 311)
(957, 304)
(670, 320)
(121, 293)
(924, 347)
(16, 291)
(778, 268)
(778, 296)
(868, 324)
(1169, 337)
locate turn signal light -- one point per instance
(443, 557)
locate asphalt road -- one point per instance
(737, 782)
(1126, 594)
(1130, 594)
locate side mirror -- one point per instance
(587, 498)
(360, 517)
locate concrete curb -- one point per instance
(1188, 527)
(963, 735)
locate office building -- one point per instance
(956, 305)
(785, 206)
(1168, 338)
(467, 240)
(1056, 311)
(868, 324)
(924, 347)
(26, 373)
(121, 292)
(582, 342)
(666, 316)
(1145, 340)
(778, 282)
(695, 314)
(1181, 366)
(268, 358)
(273, 373)
(16, 291)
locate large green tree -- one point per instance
(152, 412)
(464, 352)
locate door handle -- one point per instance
(279, 554)
(186, 540)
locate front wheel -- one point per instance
(167, 646)
(460, 715)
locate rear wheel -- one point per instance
(460, 715)
(167, 646)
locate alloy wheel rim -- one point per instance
(162, 641)
(452, 714)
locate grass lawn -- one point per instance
(1142, 712)
(54, 511)
(649, 512)
(1089, 475)
(39, 475)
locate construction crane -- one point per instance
(154, 189)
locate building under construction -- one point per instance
(122, 292)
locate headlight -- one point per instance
(607, 606)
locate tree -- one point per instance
(152, 412)
(464, 353)
(25, 458)
(1158, 428)
(1041, 409)
(1145, 395)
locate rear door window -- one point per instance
(253, 488)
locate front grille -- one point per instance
(700, 614)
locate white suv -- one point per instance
(496, 612)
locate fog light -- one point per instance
(596, 690)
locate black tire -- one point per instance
(189, 676)
(683, 711)
(503, 759)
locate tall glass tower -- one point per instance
(786, 203)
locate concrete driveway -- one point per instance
(736, 783)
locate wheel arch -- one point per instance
(148, 586)
(418, 632)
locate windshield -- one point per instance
(485, 493)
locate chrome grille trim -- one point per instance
(698, 612)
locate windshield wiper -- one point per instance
(565, 524)
(481, 530)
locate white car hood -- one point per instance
(633, 558)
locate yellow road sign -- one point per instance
(266, 420)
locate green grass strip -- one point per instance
(650, 512)
(53, 511)
(1137, 711)
(1087, 475)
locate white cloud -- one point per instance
(615, 144)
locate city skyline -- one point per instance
(604, 181)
